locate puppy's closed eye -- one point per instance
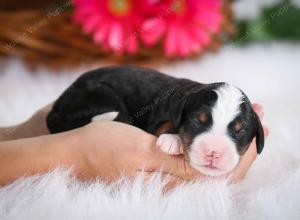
(203, 117)
(238, 126)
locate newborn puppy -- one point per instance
(211, 124)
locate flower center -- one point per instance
(178, 6)
(119, 7)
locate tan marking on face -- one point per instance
(203, 117)
(237, 126)
(186, 142)
(164, 128)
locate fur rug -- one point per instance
(267, 73)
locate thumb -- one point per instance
(174, 165)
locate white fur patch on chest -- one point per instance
(226, 108)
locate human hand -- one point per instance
(250, 155)
(110, 149)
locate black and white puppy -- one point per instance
(211, 124)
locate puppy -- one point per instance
(211, 124)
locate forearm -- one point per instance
(7, 133)
(33, 127)
(25, 157)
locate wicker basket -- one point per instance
(49, 37)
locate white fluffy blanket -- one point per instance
(267, 73)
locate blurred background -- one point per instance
(45, 45)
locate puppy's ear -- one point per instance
(260, 137)
(181, 100)
(178, 104)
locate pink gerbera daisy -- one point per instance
(185, 26)
(114, 23)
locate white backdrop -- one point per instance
(269, 74)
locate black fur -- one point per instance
(146, 98)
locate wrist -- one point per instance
(63, 150)
(72, 150)
(23, 157)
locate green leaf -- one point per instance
(278, 22)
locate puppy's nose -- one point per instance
(213, 155)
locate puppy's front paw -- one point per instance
(170, 144)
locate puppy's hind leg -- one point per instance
(80, 105)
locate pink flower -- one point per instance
(185, 26)
(114, 23)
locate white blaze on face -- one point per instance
(214, 152)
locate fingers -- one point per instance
(181, 169)
(244, 164)
(258, 110)
(174, 165)
(246, 160)
(266, 131)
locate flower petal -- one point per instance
(131, 44)
(116, 37)
(170, 44)
(201, 36)
(91, 23)
(152, 31)
(101, 32)
(210, 21)
(184, 46)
